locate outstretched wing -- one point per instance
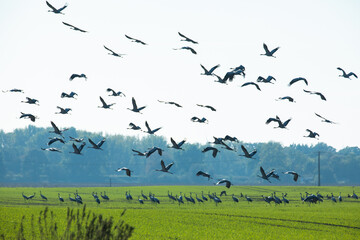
(169, 166)
(213, 68)
(56, 129)
(92, 143)
(266, 48)
(286, 122)
(147, 126)
(109, 49)
(244, 150)
(75, 148)
(101, 142)
(344, 73)
(129, 37)
(162, 164)
(320, 116)
(102, 101)
(67, 24)
(274, 50)
(54, 9)
(82, 146)
(134, 103)
(182, 35)
(262, 172)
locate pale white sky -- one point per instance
(39, 53)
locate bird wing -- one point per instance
(67, 24)
(182, 35)
(244, 150)
(298, 79)
(296, 176)
(81, 146)
(109, 49)
(344, 73)
(73, 76)
(352, 74)
(213, 68)
(192, 50)
(101, 142)
(262, 172)
(102, 101)
(253, 153)
(181, 143)
(274, 50)
(134, 103)
(320, 116)
(92, 143)
(60, 9)
(174, 143)
(205, 70)
(169, 166)
(251, 83)
(228, 183)
(272, 120)
(211, 108)
(137, 151)
(286, 122)
(321, 96)
(215, 151)
(200, 173)
(56, 129)
(266, 48)
(147, 126)
(162, 165)
(51, 6)
(75, 148)
(130, 37)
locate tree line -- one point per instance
(22, 161)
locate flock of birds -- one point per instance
(182, 198)
(223, 143)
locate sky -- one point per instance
(39, 54)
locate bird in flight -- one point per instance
(135, 40)
(111, 52)
(63, 110)
(128, 171)
(13, 90)
(204, 174)
(186, 48)
(207, 106)
(54, 10)
(196, 119)
(346, 75)
(266, 80)
(115, 94)
(227, 182)
(165, 168)
(73, 76)
(209, 72)
(187, 39)
(175, 144)
(135, 107)
(51, 149)
(96, 145)
(295, 174)
(133, 126)
(264, 175)
(138, 153)
(214, 150)
(104, 104)
(77, 150)
(70, 95)
(28, 115)
(149, 130)
(324, 119)
(231, 139)
(316, 93)
(74, 28)
(251, 83)
(280, 123)
(31, 101)
(290, 99)
(152, 150)
(246, 153)
(57, 130)
(172, 103)
(55, 139)
(269, 53)
(312, 134)
(298, 79)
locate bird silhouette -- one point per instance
(209, 72)
(171, 103)
(135, 107)
(70, 95)
(75, 75)
(74, 28)
(165, 168)
(290, 99)
(31, 101)
(54, 10)
(28, 115)
(149, 130)
(51, 149)
(266, 80)
(176, 145)
(207, 106)
(63, 110)
(115, 94)
(312, 134)
(204, 174)
(324, 119)
(280, 123)
(57, 130)
(295, 174)
(316, 93)
(196, 119)
(128, 171)
(346, 75)
(78, 150)
(96, 145)
(104, 104)
(55, 139)
(187, 39)
(297, 80)
(227, 182)
(111, 52)
(251, 83)
(214, 150)
(264, 175)
(135, 40)
(186, 48)
(133, 126)
(269, 53)
(246, 153)
(16, 90)
(152, 150)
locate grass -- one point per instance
(168, 220)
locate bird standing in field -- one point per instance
(165, 168)
(346, 75)
(74, 28)
(187, 39)
(269, 53)
(135, 40)
(295, 174)
(54, 10)
(128, 171)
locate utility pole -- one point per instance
(319, 169)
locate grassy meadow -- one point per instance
(169, 220)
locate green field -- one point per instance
(169, 220)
